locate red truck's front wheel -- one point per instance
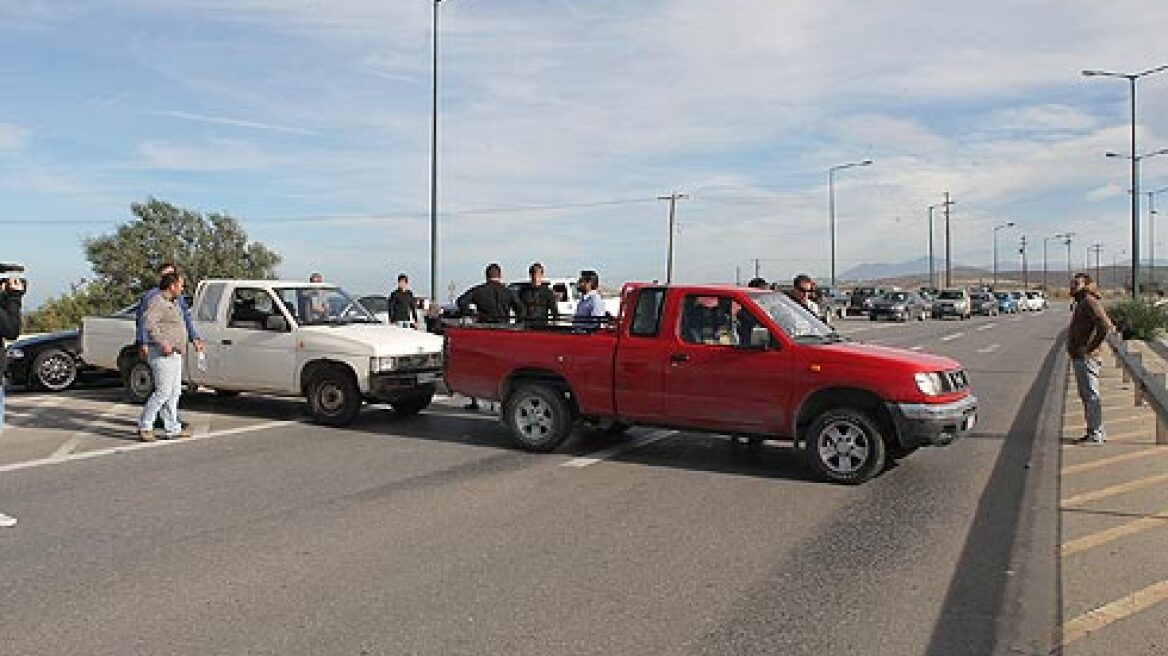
(845, 446)
(539, 417)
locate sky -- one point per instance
(562, 121)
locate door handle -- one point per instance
(679, 357)
(225, 342)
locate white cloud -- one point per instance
(215, 155)
(12, 137)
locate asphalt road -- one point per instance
(432, 535)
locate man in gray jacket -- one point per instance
(166, 338)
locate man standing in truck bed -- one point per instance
(538, 299)
(492, 300)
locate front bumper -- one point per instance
(389, 387)
(933, 424)
(949, 310)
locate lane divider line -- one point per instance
(606, 454)
(1096, 464)
(7, 521)
(949, 338)
(917, 348)
(86, 455)
(1112, 534)
(989, 349)
(1113, 490)
(986, 327)
(71, 443)
(1094, 620)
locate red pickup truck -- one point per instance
(717, 359)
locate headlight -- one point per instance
(405, 362)
(15, 354)
(898, 308)
(382, 364)
(929, 384)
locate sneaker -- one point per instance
(185, 431)
(1088, 440)
(146, 434)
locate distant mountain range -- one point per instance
(917, 267)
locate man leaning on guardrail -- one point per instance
(1089, 327)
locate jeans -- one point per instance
(1, 403)
(1087, 378)
(167, 371)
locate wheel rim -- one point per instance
(57, 371)
(844, 447)
(330, 397)
(141, 381)
(534, 418)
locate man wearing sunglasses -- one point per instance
(804, 294)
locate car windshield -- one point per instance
(1003, 296)
(794, 319)
(899, 297)
(375, 304)
(951, 294)
(315, 305)
(864, 291)
(982, 297)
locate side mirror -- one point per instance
(760, 337)
(276, 323)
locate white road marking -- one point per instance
(71, 443)
(7, 521)
(949, 338)
(611, 452)
(916, 348)
(1017, 319)
(987, 326)
(86, 455)
(989, 349)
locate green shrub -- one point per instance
(1139, 319)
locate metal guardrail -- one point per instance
(1149, 388)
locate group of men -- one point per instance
(534, 303)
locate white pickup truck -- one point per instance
(284, 338)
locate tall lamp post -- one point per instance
(1008, 224)
(1135, 174)
(932, 260)
(434, 168)
(1115, 263)
(1135, 193)
(1045, 240)
(1152, 233)
(1070, 237)
(831, 205)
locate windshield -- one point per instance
(982, 297)
(793, 318)
(314, 306)
(375, 304)
(951, 294)
(1003, 296)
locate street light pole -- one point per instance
(831, 205)
(1008, 224)
(1022, 252)
(948, 243)
(1070, 237)
(434, 168)
(1152, 231)
(1045, 241)
(1136, 159)
(932, 259)
(1135, 175)
(672, 198)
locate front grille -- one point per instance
(954, 381)
(420, 361)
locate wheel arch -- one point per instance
(845, 397)
(521, 377)
(314, 368)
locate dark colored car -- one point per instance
(861, 300)
(899, 306)
(983, 303)
(50, 362)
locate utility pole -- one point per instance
(672, 198)
(1025, 272)
(757, 266)
(932, 259)
(1096, 249)
(434, 167)
(737, 275)
(1070, 238)
(948, 243)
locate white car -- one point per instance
(1035, 301)
(288, 339)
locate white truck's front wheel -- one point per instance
(333, 397)
(139, 382)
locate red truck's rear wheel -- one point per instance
(845, 446)
(539, 417)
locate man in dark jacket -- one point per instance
(11, 295)
(538, 298)
(402, 308)
(1089, 327)
(492, 300)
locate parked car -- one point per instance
(717, 359)
(287, 339)
(899, 306)
(861, 300)
(1021, 301)
(50, 362)
(1006, 303)
(833, 301)
(983, 303)
(952, 303)
(1036, 300)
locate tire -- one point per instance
(333, 397)
(411, 405)
(226, 393)
(53, 370)
(872, 317)
(844, 445)
(539, 417)
(138, 381)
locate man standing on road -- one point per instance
(167, 336)
(538, 298)
(1089, 327)
(11, 294)
(140, 326)
(402, 309)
